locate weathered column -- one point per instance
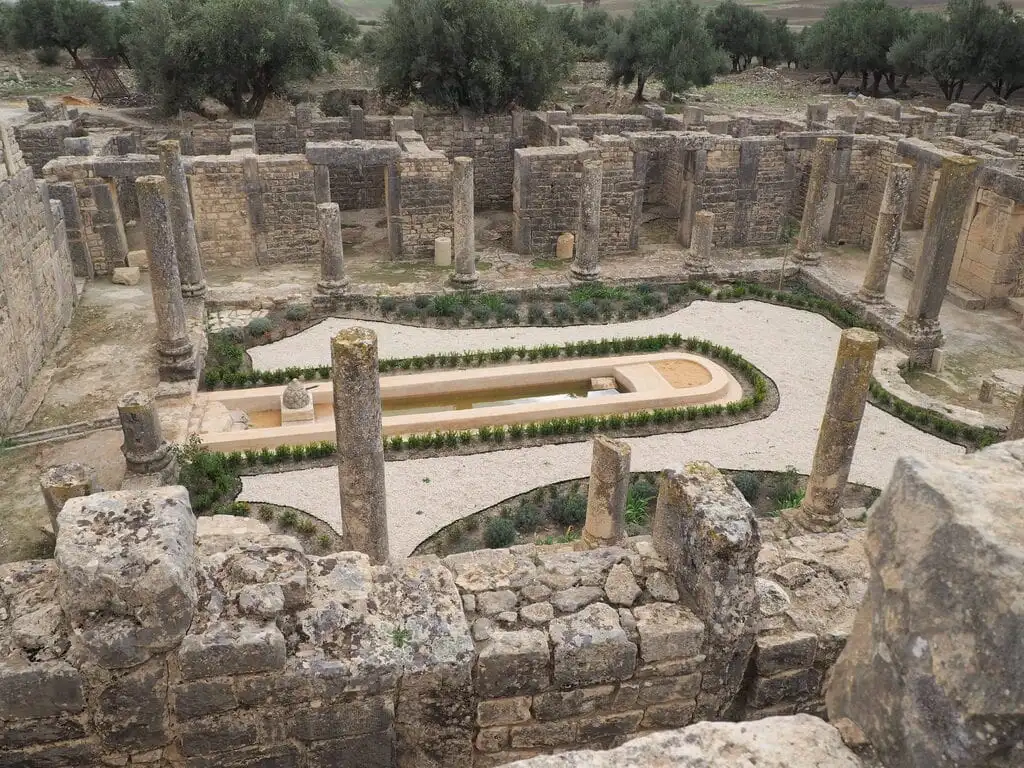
(81, 259)
(698, 258)
(177, 357)
(837, 437)
(183, 225)
(109, 224)
(941, 233)
(585, 265)
(321, 183)
(66, 481)
(887, 233)
(332, 282)
(1016, 429)
(357, 423)
(464, 236)
(817, 204)
(145, 450)
(706, 532)
(606, 497)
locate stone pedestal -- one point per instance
(818, 204)
(564, 246)
(920, 328)
(464, 237)
(698, 257)
(177, 356)
(183, 225)
(66, 481)
(586, 267)
(145, 450)
(296, 404)
(442, 251)
(333, 282)
(1016, 429)
(359, 430)
(887, 233)
(837, 438)
(606, 499)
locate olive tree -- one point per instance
(666, 39)
(69, 25)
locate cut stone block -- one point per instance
(125, 276)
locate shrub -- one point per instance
(569, 510)
(422, 301)
(266, 514)
(296, 312)
(562, 313)
(305, 527)
(387, 305)
(407, 310)
(499, 532)
(259, 326)
(48, 56)
(288, 519)
(748, 484)
(588, 310)
(527, 517)
(445, 305)
(323, 541)
(535, 314)
(480, 313)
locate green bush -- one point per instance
(48, 56)
(562, 313)
(527, 517)
(499, 532)
(446, 305)
(748, 484)
(569, 510)
(259, 326)
(296, 312)
(288, 519)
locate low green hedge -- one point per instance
(933, 421)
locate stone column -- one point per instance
(1016, 429)
(177, 357)
(817, 204)
(837, 438)
(66, 481)
(183, 225)
(698, 258)
(941, 232)
(464, 237)
(321, 183)
(585, 266)
(357, 423)
(332, 282)
(887, 233)
(109, 224)
(606, 498)
(145, 450)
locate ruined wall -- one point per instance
(37, 287)
(286, 224)
(419, 199)
(621, 194)
(260, 654)
(356, 170)
(488, 140)
(857, 212)
(546, 197)
(41, 142)
(221, 210)
(595, 125)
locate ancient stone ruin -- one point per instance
(272, 604)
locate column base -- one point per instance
(697, 265)
(797, 522)
(162, 462)
(177, 363)
(809, 258)
(193, 290)
(589, 541)
(919, 339)
(465, 282)
(333, 288)
(869, 297)
(578, 275)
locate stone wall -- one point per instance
(488, 140)
(419, 199)
(621, 193)
(37, 285)
(221, 209)
(545, 197)
(856, 214)
(41, 142)
(357, 170)
(240, 649)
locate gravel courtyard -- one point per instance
(796, 349)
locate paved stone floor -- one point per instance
(795, 348)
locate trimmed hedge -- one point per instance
(933, 421)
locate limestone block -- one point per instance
(125, 276)
(799, 741)
(63, 482)
(668, 631)
(493, 603)
(503, 711)
(590, 647)
(232, 648)
(138, 259)
(621, 588)
(572, 599)
(564, 246)
(537, 614)
(45, 689)
(931, 672)
(442, 251)
(778, 653)
(513, 662)
(126, 572)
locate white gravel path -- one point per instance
(795, 348)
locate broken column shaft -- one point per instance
(887, 233)
(1016, 429)
(837, 438)
(177, 357)
(108, 223)
(145, 450)
(698, 258)
(586, 265)
(818, 203)
(183, 225)
(359, 430)
(332, 280)
(66, 481)
(606, 497)
(464, 236)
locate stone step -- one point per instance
(964, 298)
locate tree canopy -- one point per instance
(666, 39)
(236, 51)
(484, 55)
(69, 25)
(744, 34)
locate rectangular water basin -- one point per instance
(469, 399)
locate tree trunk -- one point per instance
(984, 88)
(903, 81)
(890, 81)
(864, 81)
(876, 78)
(641, 81)
(959, 90)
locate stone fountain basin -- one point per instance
(645, 381)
